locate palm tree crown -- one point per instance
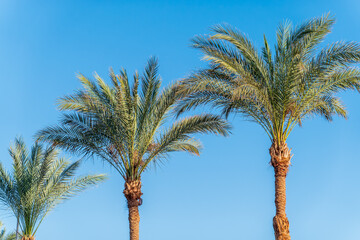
(277, 89)
(39, 181)
(124, 125)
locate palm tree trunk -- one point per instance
(133, 194)
(134, 219)
(28, 238)
(280, 160)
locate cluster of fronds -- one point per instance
(4, 235)
(276, 89)
(124, 123)
(39, 181)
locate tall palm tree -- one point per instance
(40, 180)
(128, 127)
(4, 235)
(276, 88)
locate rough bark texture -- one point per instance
(280, 160)
(133, 194)
(28, 238)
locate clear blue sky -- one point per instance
(228, 192)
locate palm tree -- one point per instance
(125, 126)
(40, 180)
(4, 236)
(277, 88)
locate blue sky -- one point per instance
(227, 192)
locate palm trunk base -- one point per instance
(28, 238)
(281, 227)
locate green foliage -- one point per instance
(4, 236)
(38, 182)
(124, 123)
(279, 88)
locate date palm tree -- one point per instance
(276, 88)
(128, 126)
(4, 235)
(40, 180)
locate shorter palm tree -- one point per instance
(40, 180)
(4, 236)
(130, 127)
